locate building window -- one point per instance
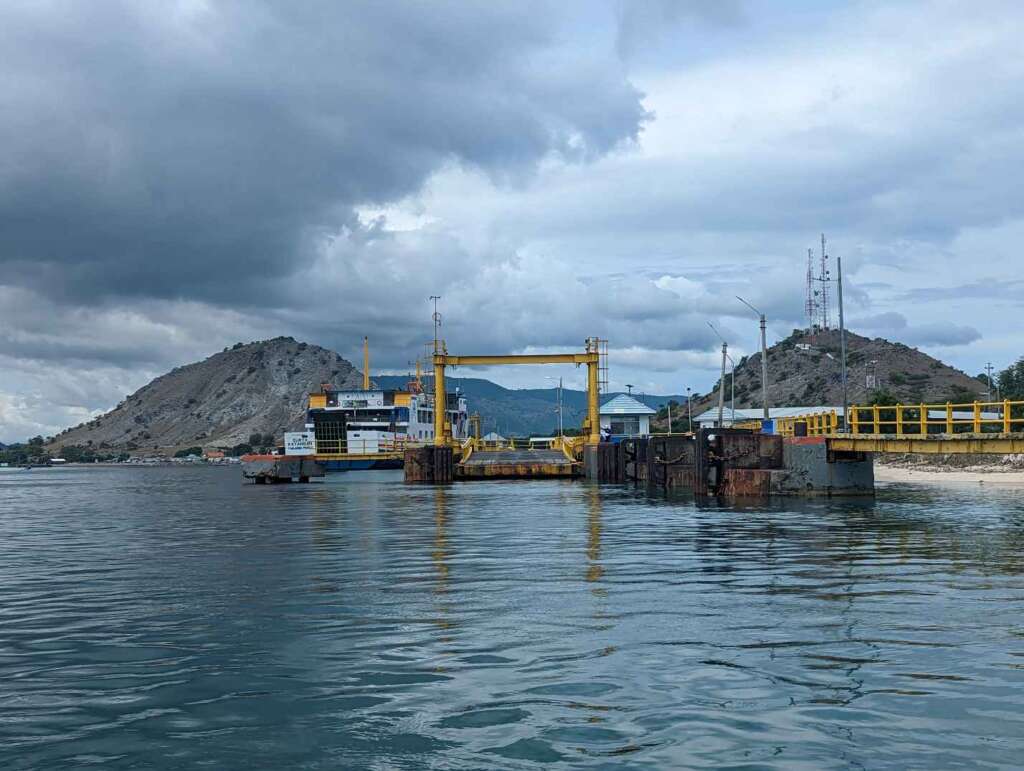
(626, 425)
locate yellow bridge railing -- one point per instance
(818, 423)
(914, 420)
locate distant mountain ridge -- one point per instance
(260, 387)
(263, 387)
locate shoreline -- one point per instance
(945, 475)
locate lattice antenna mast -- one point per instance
(811, 307)
(826, 322)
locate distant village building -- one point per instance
(213, 454)
(625, 416)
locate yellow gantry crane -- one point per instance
(591, 357)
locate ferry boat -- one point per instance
(368, 428)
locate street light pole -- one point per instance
(732, 388)
(721, 386)
(764, 356)
(559, 408)
(842, 347)
(689, 410)
(721, 379)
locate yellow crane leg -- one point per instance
(593, 407)
(440, 407)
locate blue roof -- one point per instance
(625, 405)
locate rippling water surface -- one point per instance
(167, 617)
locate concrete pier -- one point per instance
(273, 469)
(517, 464)
(734, 463)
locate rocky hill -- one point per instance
(259, 387)
(804, 370)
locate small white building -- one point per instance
(625, 416)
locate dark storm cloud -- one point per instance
(203, 150)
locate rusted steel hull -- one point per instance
(433, 465)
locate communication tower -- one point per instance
(825, 278)
(816, 307)
(811, 306)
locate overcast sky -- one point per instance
(179, 176)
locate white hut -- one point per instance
(625, 416)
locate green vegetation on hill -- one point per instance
(1011, 381)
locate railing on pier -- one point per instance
(818, 423)
(914, 420)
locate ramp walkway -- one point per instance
(516, 464)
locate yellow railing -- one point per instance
(902, 420)
(751, 424)
(818, 423)
(1003, 417)
(364, 446)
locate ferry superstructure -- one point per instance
(363, 428)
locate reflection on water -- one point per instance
(172, 617)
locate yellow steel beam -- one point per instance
(959, 444)
(440, 399)
(531, 358)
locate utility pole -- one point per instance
(721, 386)
(689, 410)
(669, 407)
(842, 345)
(559, 408)
(764, 356)
(721, 379)
(732, 388)
(988, 371)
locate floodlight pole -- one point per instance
(842, 348)
(721, 379)
(689, 410)
(764, 356)
(732, 388)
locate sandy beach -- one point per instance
(942, 476)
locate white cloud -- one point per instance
(896, 130)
